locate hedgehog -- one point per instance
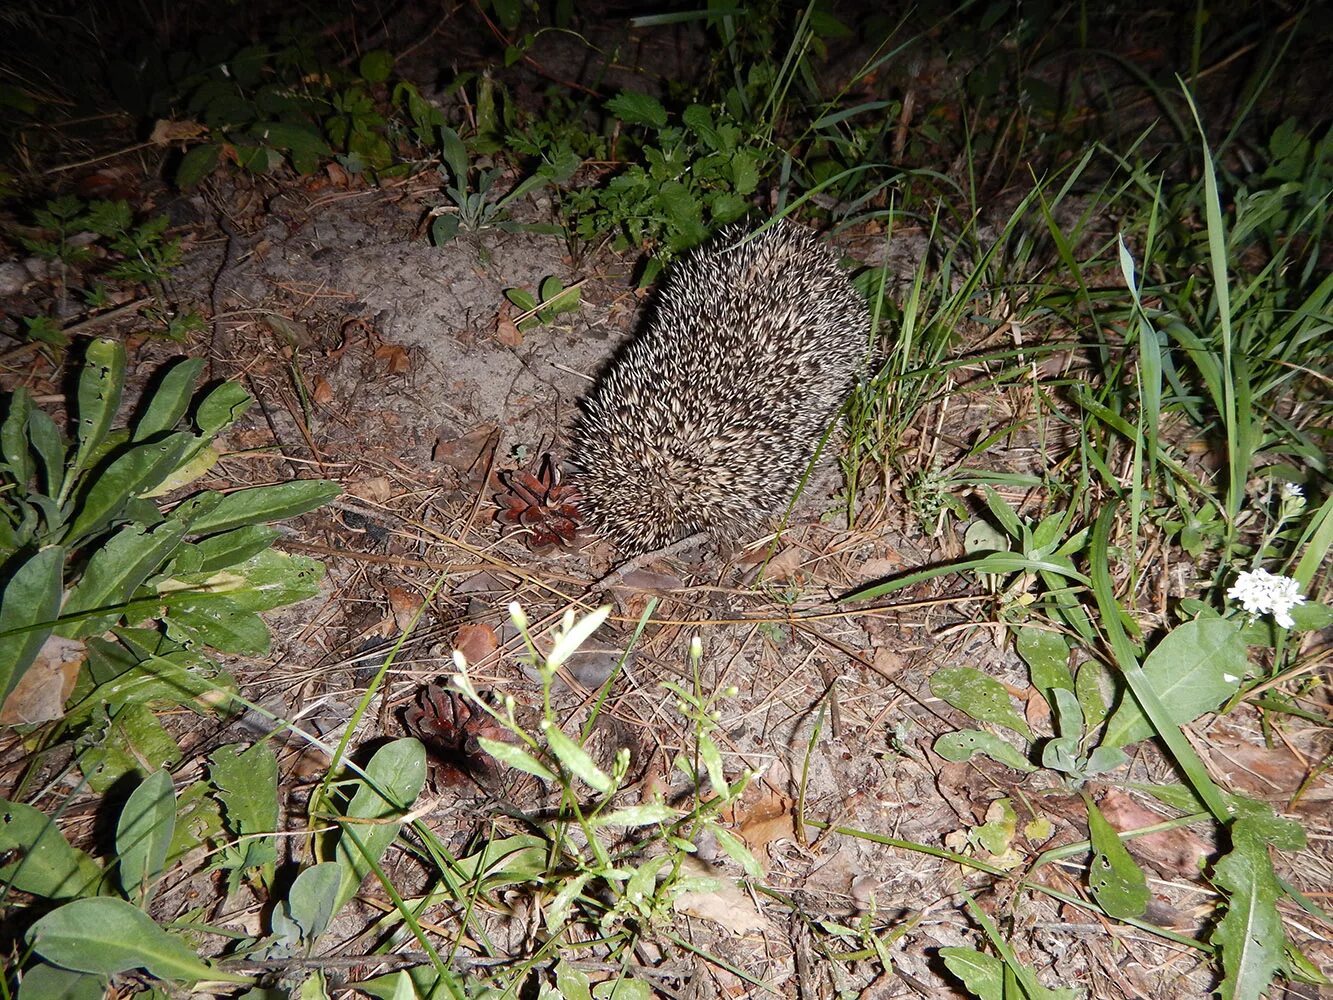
(707, 420)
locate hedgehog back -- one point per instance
(709, 417)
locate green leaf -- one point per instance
(394, 779)
(310, 903)
(1250, 935)
(197, 163)
(376, 66)
(622, 989)
(1047, 656)
(454, 155)
(50, 982)
(966, 743)
(634, 107)
(516, 757)
(214, 620)
(29, 605)
(115, 571)
(247, 786)
(131, 475)
(1117, 883)
(14, 438)
(1193, 669)
(45, 864)
(575, 759)
(144, 833)
(260, 504)
(643, 815)
(169, 400)
(100, 385)
(982, 697)
(107, 936)
(134, 742)
(221, 408)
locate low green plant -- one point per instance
(92, 559)
(552, 299)
(689, 174)
(135, 254)
(474, 203)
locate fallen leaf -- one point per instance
(728, 906)
(395, 357)
(404, 604)
(476, 641)
(769, 819)
(166, 131)
(505, 330)
(469, 450)
(321, 392)
(40, 693)
(377, 489)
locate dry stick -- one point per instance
(230, 259)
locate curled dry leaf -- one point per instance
(729, 906)
(404, 604)
(40, 693)
(320, 391)
(476, 641)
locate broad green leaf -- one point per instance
(132, 474)
(394, 779)
(1047, 655)
(454, 155)
(712, 758)
(50, 982)
(376, 65)
(575, 759)
(247, 785)
(1250, 935)
(14, 437)
(1117, 883)
(1193, 669)
(737, 851)
(310, 903)
(144, 833)
(107, 936)
(634, 107)
(134, 742)
(193, 466)
(966, 743)
(115, 571)
(622, 989)
(982, 697)
(213, 620)
(516, 757)
(45, 864)
(557, 910)
(221, 408)
(100, 385)
(49, 445)
(197, 163)
(169, 400)
(572, 983)
(29, 604)
(260, 504)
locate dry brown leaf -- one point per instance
(404, 604)
(377, 489)
(505, 330)
(320, 391)
(467, 451)
(729, 906)
(395, 357)
(771, 818)
(166, 131)
(476, 641)
(40, 693)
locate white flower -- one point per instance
(1290, 491)
(1261, 592)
